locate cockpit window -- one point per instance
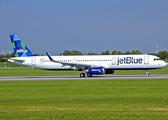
(156, 59)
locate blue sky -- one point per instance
(85, 25)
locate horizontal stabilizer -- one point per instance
(19, 60)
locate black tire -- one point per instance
(82, 75)
(89, 75)
(147, 75)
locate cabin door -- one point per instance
(33, 62)
(146, 60)
(113, 61)
(74, 60)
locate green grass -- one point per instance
(93, 99)
(9, 64)
(36, 72)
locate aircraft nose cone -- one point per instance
(165, 64)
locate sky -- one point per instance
(85, 25)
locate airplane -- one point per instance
(89, 64)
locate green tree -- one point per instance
(151, 54)
(105, 53)
(12, 55)
(73, 52)
(7, 55)
(114, 52)
(119, 53)
(36, 54)
(2, 58)
(135, 52)
(91, 53)
(163, 54)
(127, 53)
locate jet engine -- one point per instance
(99, 71)
(96, 70)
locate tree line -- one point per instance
(107, 52)
(161, 54)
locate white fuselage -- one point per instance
(115, 62)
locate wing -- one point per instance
(77, 65)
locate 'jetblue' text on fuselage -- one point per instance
(129, 60)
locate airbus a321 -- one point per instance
(89, 64)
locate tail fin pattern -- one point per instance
(19, 47)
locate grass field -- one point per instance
(81, 100)
(8, 64)
(92, 99)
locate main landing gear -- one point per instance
(147, 74)
(83, 75)
(89, 75)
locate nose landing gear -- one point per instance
(147, 74)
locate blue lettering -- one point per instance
(124, 61)
(121, 61)
(118, 61)
(140, 60)
(129, 60)
(136, 60)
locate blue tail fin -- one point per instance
(19, 47)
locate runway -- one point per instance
(76, 77)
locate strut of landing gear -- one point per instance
(82, 75)
(147, 74)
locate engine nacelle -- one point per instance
(96, 70)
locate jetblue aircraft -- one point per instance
(89, 64)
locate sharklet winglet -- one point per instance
(51, 59)
(49, 56)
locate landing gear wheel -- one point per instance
(82, 75)
(147, 75)
(89, 75)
